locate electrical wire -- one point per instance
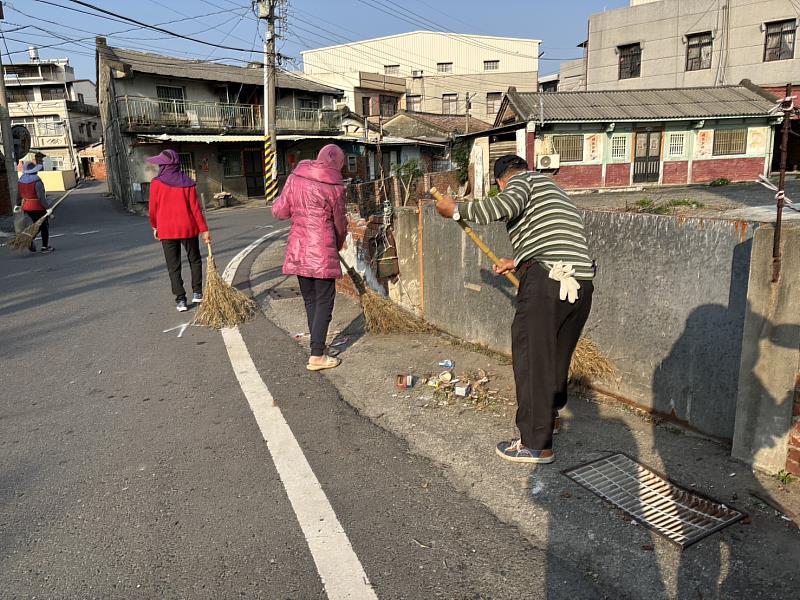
(107, 14)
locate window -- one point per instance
(779, 40)
(413, 103)
(677, 143)
(81, 99)
(630, 61)
(231, 163)
(698, 51)
(449, 104)
(16, 94)
(493, 100)
(619, 147)
(444, 67)
(352, 163)
(309, 103)
(57, 163)
(187, 164)
(365, 107)
(391, 70)
(388, 106)
(569, 147)
(53, 93)
(81, 127)
(170, 99)
(491, 65)
(730, 141)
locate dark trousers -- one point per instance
(319, 295)
(35, 215)
(544, 336)
(172, 252)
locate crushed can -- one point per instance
(405, 381)
(447, 364)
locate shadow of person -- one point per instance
(603, 536)
(698, 384)
(504, 286)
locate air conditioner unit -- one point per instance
(547, 161)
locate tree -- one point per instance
(407, 173)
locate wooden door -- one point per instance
(647, 160)
(253, 162)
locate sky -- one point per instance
(561, 25)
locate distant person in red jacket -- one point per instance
(177, 220)
(33, 200)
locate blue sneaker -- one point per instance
(181, 306)
(516, 452)
(197, 298)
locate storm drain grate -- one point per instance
(681, 516)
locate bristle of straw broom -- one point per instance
(23, 239)
(223, 305)
(589, 363)
(384, 316)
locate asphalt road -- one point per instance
(131, 465)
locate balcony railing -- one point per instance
(152, 113)
(307, 119)
(149, 114)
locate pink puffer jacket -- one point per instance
(313, 198)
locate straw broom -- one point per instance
(223, 305)
(24, 238)
(382, 315)
(588, 362)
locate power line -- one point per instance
(107, 14)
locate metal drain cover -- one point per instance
(681, 516)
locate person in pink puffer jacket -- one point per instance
(313, 198)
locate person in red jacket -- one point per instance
(177, 220)
(32, 200)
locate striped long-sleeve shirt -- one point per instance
(542, 222)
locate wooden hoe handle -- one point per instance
(437, 195)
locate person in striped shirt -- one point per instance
(552, 261)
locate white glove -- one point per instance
(564, 273)
(17, 208)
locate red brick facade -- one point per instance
(676, 172)
(579, 176)
(98, 171)
(793, 456)
(618, 175)
(734, 169)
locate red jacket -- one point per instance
(174, 212)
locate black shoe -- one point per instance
(46, 249)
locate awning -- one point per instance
(222, 138)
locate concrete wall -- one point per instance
(661, 27)
(572, 76)
(769, 382)
(669, 309)
(422, 50)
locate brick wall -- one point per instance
(618, 175)
(734, 169)
(676, 172)
(98, 170)
(793, 456)
(579, 176)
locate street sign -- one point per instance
(22, 141)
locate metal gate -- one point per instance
(647, 161)
(253, 163)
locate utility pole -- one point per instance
(8, 142)
(468, 110)
(266, 11)
(787, 105)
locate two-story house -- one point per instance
(211, 114)
(59, 111)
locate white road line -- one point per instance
(339, 568)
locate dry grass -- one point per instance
(24, 238)
(384, 316)
(223, 305)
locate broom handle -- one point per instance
(210, 253)
(357, 280)
(437, 195)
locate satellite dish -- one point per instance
(22, 141)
